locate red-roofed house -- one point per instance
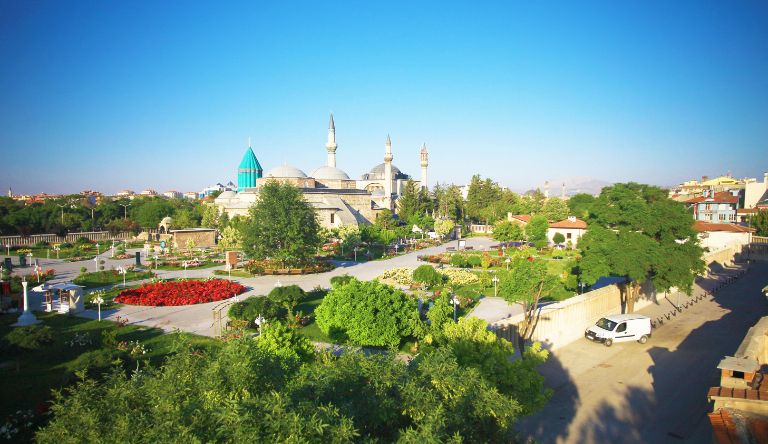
(720, 207)
(571, 228)
(719, 236)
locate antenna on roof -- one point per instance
(249, 141)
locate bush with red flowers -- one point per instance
(180, 292)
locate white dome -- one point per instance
(285, 171)
(326, 172)
(227, 195)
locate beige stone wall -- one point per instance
(202, 239)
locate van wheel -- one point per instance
(608, 342)
(643, 339)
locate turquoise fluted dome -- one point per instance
(248, 171)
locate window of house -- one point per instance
(567, 235)
(332, 217)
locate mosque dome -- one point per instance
(227, 195)
(326, 172)
(285, 171)
(167, 220)
(377, 173)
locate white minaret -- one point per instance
(388, 171)
(563, 195)
(546, 189)
(424, 162)
(331, 145)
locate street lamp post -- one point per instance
(96, 261)
(56, 248)
(495, 281)
(259, 321)
(122, 271)
(507, 261)
(157, 263)
(98, 251)
(455, 301)
(125, 210)
(185, 269)
(98, 301)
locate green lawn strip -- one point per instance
(108, 277)
(206, 264)
(45, 369)
(234, 273)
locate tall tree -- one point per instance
(579, 204)
(282, 225)
(555, 209)
(637, 232)
(506, 231)
(536, 231)
(408, 203)
(759, 222)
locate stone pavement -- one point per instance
(198, 318)
(656, 392)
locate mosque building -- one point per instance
(337, 199)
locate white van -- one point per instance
(620, 328)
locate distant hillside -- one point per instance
(575, 185)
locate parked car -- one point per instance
(620, 328)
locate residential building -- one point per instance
(571, 228)
(717, 207)
(718, 236)
(173, 194)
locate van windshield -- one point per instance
(605, 324)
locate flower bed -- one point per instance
(256, 267)
(180, 293)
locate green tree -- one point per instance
(367, 313)
(230, 238)
(210, 213)
(759, 222)
(476, 347)
(558, 238)
(290, 346)
(444, 227)
(555, 209)
(536, 231)
(440, 314)
(637, 232)
(526, 282)
(408, 204)
(506, 231)
(385, 219)
(483, 199)
(184, 218)
(148, 212)
(449, 202)
(282, 225)
(580, 204)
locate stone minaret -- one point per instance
(424, 162)
(563, 196)
(331, 145)
(388, 171)
(546, 189)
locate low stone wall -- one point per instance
(564, 322)
(25, 241)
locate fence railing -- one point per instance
(25, 241)
(759, 240)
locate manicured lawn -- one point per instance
(206, 264)
(109, 277)
(234, 273)
(26, 379)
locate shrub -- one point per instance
(338, 281)
(427, 275)
(83, 270)
(95, 362)
(486, 261)
(558, 238)
(41, 244)
(30, 338)
(82, 240)
(65, 245)
(252, 307)
(474, 261)
(367, 313)
(458, 260)
(289, 296)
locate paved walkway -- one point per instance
(656, 392)
(198, 318)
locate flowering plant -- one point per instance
(176, 293)
(402, 276)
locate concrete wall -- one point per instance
(720, 240)
(564, 322)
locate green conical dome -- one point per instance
(248, 171)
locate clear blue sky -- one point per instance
(111, 95)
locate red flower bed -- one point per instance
(180, 293)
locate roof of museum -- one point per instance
(249, 162)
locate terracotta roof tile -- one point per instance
(721, 197)
(566, 223)
(702, 227)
